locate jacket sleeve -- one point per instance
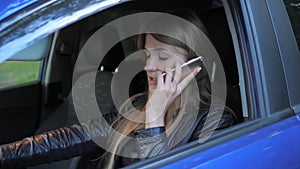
(153, 141)
(211, 122)
(55, 145)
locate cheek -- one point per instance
(165, 64)
(172, 63)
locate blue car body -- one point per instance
(9, 7)
(275, 146)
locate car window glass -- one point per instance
(293, 9)
(36, 51)
(18, 72)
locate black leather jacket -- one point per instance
(68, 142)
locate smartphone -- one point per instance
(189, 64)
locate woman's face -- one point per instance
(160, 56)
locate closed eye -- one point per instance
(163, 58)
(163, 55)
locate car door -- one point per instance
(19, 99)
(21, 90)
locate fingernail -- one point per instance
(199, 69)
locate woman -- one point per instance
(165, 116)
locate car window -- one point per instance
(36, 51)
(18, 72)
(24, 66)
(293, 9)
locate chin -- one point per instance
(151, 88)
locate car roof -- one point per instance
(10, 7)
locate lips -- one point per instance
(152, 80)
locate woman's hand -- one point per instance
(167, 90)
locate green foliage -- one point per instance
(18, 72)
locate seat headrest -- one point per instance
(113, 57)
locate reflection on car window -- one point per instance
(18, 72)
(293, 9)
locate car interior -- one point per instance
(56, 108)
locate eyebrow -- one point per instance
(160, 49)
(156, 49)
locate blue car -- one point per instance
(258, 43)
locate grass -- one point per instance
(18, 72)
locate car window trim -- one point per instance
(239, 61)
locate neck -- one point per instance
(169, 118)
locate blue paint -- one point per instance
(9, 7)
(275, 146)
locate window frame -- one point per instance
(289, 51)
(292, 21)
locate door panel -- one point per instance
(275, 146)
(19, 108)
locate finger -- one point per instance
(184, 82)
(178, 72)
(169, 77)
(160, 79)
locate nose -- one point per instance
(150, 65)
